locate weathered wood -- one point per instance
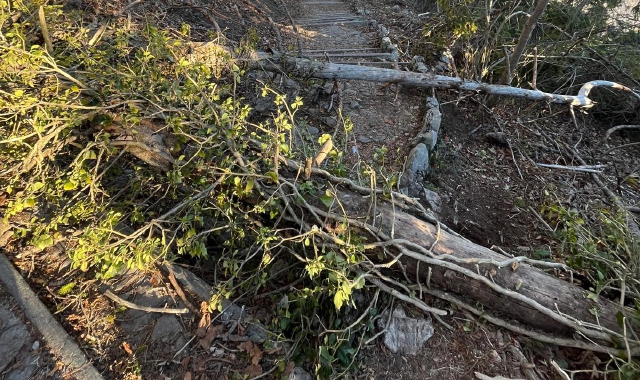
(546, 290)
(212, 54)
(326, 70)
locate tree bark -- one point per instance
(558, 296)
(529, 26)
(308, 68)
(219, 57)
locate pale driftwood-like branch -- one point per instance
(309, 68)
(610, 131)
(582, 168)
(326, 70)
(132, 305)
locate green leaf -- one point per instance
(90, 155)
(36, 186)
(541, 254)
(273, 176)
(359, 284)
(29, 202)
(43, 241)
(69, 185)
(327, 200)
(66, 289)
(339, 298)
(249, 186)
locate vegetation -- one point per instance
(118, 143)
(571, 43)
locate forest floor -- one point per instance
(491, 188)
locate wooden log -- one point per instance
(215, 55)
(561, 297)
(308, 68)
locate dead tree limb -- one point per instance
(308, 68)
(459, 266)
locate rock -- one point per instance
(432, 199)
(290, 83)
(24, 369)
(430, 138)
(434, 116)
(395, 8)
(498, 138)
(417, 64)
(405, 335)
(13, 335)
(330, 121)
(166, 329)
(431, 125)
(313, 130)
(416, 169)
(299, 374)
(232, 313)
(354, 105)
(136, 320)
(257, 332)
(494, 356)
(265, 105)
(363, 139)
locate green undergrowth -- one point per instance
(600, 246)
(575, 41)
(120, 145)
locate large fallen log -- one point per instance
(454, 264)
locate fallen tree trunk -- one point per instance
(217, 56)
(326, 70)
(454, 264)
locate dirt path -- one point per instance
(381, 115)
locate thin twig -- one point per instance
(131, 305)
(622, 146)
(582, 168)
(617, 128)
(544, 222)
(178, 289)
(414, 301)
(295, 28)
